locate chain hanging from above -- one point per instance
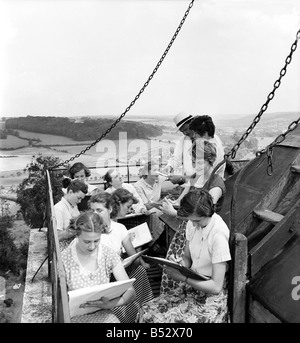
(279, 139)
(139, 93)
(277, 83)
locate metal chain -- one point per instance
(264, 107)
(279, 139)
(139, 93)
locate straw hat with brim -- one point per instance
(182, 118)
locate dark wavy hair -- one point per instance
(198, 202)
(74, 185)
(203, 124)
(107, 178)
(77, 167)
(121, 196)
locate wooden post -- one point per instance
(128, 172)
(238, 279)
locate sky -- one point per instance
(91, 57)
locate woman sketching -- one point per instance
(87, 262)
(206, 252)
(117, 237)
(214, 184)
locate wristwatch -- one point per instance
(181, 181)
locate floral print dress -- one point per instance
(181, 303)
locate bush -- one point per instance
(32, 192)
(23, 254)
(8, 249)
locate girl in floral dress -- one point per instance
(206, 252)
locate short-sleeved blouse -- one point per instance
(147, 192)
(78, 277)
(115, 237)
(208, 245)
(64, 212)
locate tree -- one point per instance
(32, 192)
(8, 250)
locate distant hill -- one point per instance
(84, 129)
(276, 118)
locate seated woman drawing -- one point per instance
(149, 188)
(123, 200)
(66, 209)
(113, 180)
(87, 262)
(80, 172)
(117, 237)
(206, 252)
(216, 188)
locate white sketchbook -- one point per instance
(109, 290)
(139, 235)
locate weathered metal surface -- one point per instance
(275, 252)
(259, 314)
(254, 188)
(272, 285)
(268, 247)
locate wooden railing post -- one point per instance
(238, 278)
(60, 304)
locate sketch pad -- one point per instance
(184, 271)
(109, 290)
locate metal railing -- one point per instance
(128, 178)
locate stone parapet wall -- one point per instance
(37, 300)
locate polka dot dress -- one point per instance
(78, 277)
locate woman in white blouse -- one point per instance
(206, 252)
(66, 209)
(149, 189)
(117, 237)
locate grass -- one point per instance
(12, 142)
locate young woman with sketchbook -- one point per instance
(88, 262)
(117, 237)
(206, 252)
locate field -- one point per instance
(49, 139)
(12, 142)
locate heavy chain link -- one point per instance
(264, 107)
(279, 139)
(139, 93)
